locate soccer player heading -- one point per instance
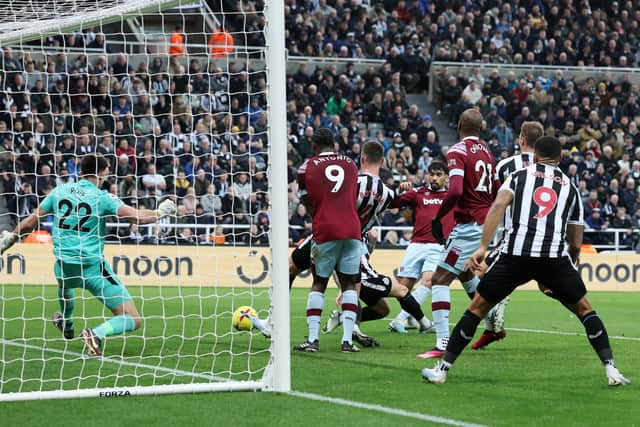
(328, 187)
(78, 235)
(544, 234)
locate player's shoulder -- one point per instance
(459, 148)
(303, 166)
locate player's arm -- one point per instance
(302, 188)
(456, 179)
(455, 163)
(491, 223)
(408, 198)
(574, 240)
(145, 216)
(27, 225)
(575, 227)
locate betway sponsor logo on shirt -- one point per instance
(431, 201)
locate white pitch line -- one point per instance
(575, 334)
(113, 359)
(311, 396)
(384, 409)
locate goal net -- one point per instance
(185, 100)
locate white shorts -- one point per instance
(418, 258)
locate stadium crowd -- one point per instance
(198, 133)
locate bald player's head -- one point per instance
(470, 123)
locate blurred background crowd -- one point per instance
(173, 126)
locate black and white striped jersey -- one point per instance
(511, 164)
(544, 202)
(508, 166)
(373, 198)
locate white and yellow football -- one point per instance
(242, 318)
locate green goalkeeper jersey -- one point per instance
(79, 211)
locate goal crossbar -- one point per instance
(42, 24)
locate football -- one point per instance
(242, 318)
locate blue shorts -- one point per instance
(463, 241)
(343, 256)
(418, 258)
(99, 279)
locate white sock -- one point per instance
(349, 314)
(440, 307)
(471, 285)
(421, 293)
(315, 303)
(259, 324)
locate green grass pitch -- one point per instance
(543, 374)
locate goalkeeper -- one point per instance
(79, 211)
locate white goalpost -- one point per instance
(186, 99)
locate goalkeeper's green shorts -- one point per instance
(98, 278)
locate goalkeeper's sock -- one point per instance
(115, 326)
(315, 304)
(440, 307)
(67, 301)
(349, 313)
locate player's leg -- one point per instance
(299, 261)
(408, 274)
(440, 308)
(494, 322)
(462, 242)
(430, 256)
(410, 305)
(103, 283)
(504, 276)
(348, 268)
(68, 279)
(568, 287)
(324, 258)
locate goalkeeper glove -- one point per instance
(436, 230)
(166, 208)
(7, 239)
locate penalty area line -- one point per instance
(383, 409)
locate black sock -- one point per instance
(598, 337)
(461, 336)
(367, 314)
(411, 306)
(359, 314)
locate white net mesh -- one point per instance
(179, 114)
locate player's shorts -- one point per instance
(418, 258)
(342, 256)
(508, 272)
(99, 279)
(373, 286)
(301, 255)
(462, 243)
